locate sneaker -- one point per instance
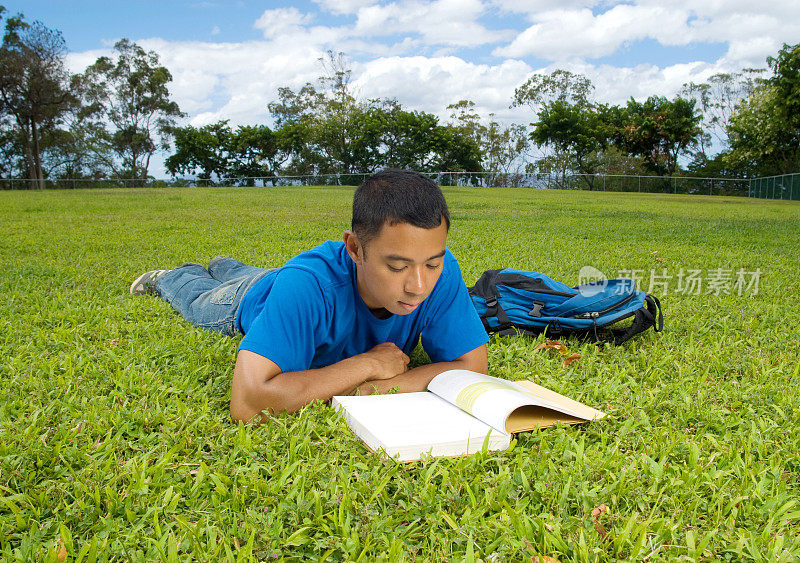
(146, 283)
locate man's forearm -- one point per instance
(290, 391)
(416, 379)
(259, 386)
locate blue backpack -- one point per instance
(511, 301)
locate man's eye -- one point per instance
(397, 269)
(434, 266)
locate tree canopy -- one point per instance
(126, 99)
(33, 89)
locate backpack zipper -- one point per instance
(596, 314)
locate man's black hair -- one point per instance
(397, 196)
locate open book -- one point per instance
(460, 412)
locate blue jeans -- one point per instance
(209, 298)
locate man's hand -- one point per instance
(386, 359)
(418, 378)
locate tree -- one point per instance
(11, 161)
(786, 84)
(326, 128)
(765, 130)
(761, 143)
(500, 146)
(558, 86)
(256, 151)
(127, 99)
(464, 117)
(204, 148)
(408, 137)
(503, 149)
(453, 151)
(538, 91)
(660, 130)
(33, 87)
(573, 129)
(717, 100)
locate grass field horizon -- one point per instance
(115, 439)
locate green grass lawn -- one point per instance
(115, 440)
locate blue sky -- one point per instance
(228, 57)
(92, 24)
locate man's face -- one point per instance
(400, 267)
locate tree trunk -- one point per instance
(147, 167)
(37, 160)
(26, 143)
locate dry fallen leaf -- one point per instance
(601, 530)
(62, 551)
(597, 513)
(658, 259)
(113, 343)
(654, 252)
(568, 360)
(236, 543)
(553, 345)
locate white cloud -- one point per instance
(281, 21)
(431, 84)
(215, 30)
(562, 33)
(441, 22)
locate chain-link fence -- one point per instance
(785, 186)
(596, 182)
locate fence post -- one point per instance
(640, 183)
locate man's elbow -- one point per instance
(476, 360)
(255, 402)
(252, 396)
(241, 411)
(480, 366)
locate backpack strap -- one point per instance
(648, 316)
(494, 309)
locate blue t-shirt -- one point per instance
(309, 314)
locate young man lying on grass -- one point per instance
(342, 317)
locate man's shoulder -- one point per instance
(325, 265)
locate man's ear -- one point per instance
(354, 247)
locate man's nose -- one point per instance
(415, 283)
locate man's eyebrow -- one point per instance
(405, 259)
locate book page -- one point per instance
(492, 400)
(408, 425)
